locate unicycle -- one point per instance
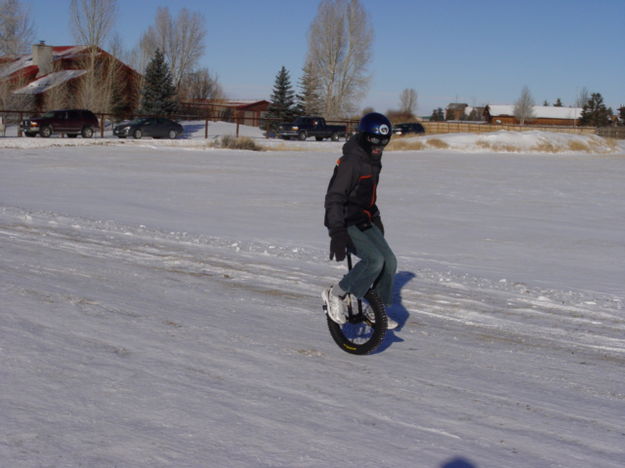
(360, 334)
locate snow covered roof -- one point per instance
(544, 112)
(24, 61)
(19, 63)
(49, 81)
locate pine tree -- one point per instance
(281, 108)
(621, 114)
(594, 112)
(558, 103)
(120, 103)
(308, 101)
(438, 115)
(158, 93)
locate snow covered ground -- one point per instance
(159, 306)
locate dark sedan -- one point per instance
(405, 128)
(155, 127)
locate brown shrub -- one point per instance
(437, 143)
(244, 143)
(400, 144)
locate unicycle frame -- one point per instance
(350, 309)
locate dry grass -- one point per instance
(590, 146)
(437, 143)
(406, 145)
(547, 147)
(242, 143)
(598, 148)
(498, 147)
(412, 144)
(578, 146)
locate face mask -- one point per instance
(374, 144)
(376, 150)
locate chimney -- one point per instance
(42, 57)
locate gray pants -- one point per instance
(376, 268)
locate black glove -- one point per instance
(339, 244)
(377, 222)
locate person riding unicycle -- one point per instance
(354, 223)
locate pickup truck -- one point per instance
(304, 127)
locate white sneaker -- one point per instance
(368, 312)
(334, 306)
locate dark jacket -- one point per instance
(350, 199)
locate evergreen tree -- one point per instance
(281, 108)
(158, 93)
(475, 115)
(594, 112)
(558, 103)
(438, 115)
(622, 114)
(120, 103)
(308, 101)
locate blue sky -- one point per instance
(478, 52)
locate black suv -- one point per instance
(72, 122)
(405, 128)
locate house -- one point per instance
(541, 115)
(67, 76)
(456, 111)
(244, 112)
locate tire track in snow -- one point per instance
(490, 311)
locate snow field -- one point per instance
(160, 307)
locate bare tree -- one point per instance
(524, 106)
(408, 101)
(339, 48)
(116, 47)
(583, 97)
(16, 28)
(200, 84)
(92, 20)
(180, 39)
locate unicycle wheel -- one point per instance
(360, 334)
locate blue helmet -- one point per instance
(376, 128)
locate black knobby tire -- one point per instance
(358, 335)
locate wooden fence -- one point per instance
(431, 128)
(612, 132)
(477, 127)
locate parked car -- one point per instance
(304, 127)
(72, 122)
(155, 127)
(404, 128)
